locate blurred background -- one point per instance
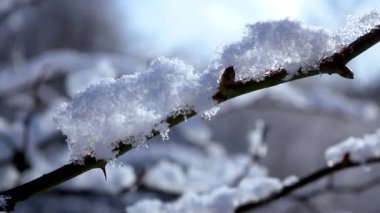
(52, 49)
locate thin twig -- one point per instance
(324, 172)
(358, 188)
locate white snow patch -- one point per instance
(358, 25)
(128, 109)
(166, 175)
(358, 149)
(208, 174)
(290, 180)
(131, 106)
(256, 144)
(220, 200)
(276, 44)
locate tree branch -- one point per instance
(324, 172)
(335, 63)
(358, 188)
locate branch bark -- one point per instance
(335, 63)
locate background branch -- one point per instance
(321, 173)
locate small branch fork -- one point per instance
(228, 88)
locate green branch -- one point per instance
(229, 88)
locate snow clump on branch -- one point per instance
(357, 149)
(131, 108)
(134, 105)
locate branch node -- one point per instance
(335, 64)
(226, 81)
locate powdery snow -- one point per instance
(357, 25)
(358, 149)
(276, 44)
(128, 109)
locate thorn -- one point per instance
(103, 168)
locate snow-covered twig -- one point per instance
(349, 189)
(321, 173)
(335, 63)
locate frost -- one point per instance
(358, 149)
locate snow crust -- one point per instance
(129, 109)
(358, 149)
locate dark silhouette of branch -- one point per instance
(321, 173)
(305, 199)
(335, 63)
(353, 189)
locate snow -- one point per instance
(209, 173)
(129, 109)
(290, 180)
(166, 175)
(256, 143)
(204, 183)
(358, 25)
(221, 200)
(358, 149)
(81, 79)
(276, 44)
(133, 105)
